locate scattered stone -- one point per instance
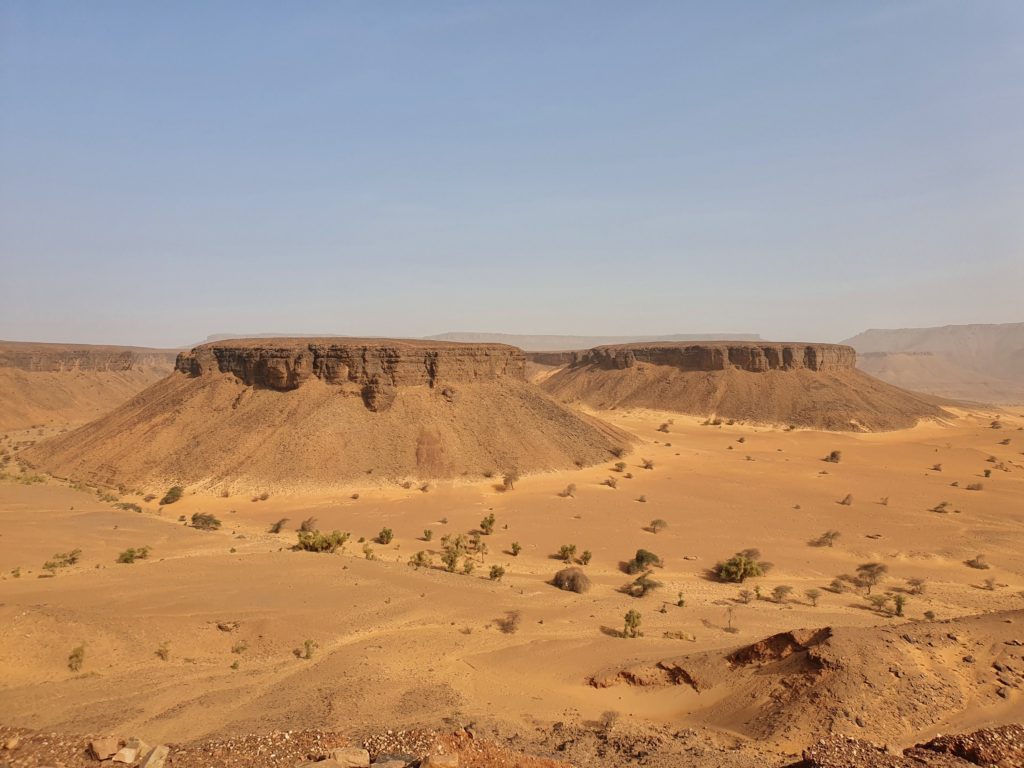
(12, 743)
(394, 761)
(126, 755)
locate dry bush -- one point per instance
(204, 521)
(978, 561)
(276, 527)
(308, 525)
(572, 580)
(314, 541)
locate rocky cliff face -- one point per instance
(377, 365)
(754, 357)
(84, 357)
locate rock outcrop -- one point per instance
(56, 358)
(792, 384)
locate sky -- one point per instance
(802, 170)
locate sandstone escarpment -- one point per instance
(284, 364)
(58, 358)
(313, 413)
(793, 384)
(754, 357)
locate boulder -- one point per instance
(104, 748)
(156, 758)
(440, 761)
(127, 755)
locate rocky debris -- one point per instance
(440, 761)
(157, 757)
(284, 364)
(1002, 747)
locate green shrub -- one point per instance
(741, 566)
(385, 536)
(420, 560)
(632, 624)
(174, 493)
(63, 560)
(496, 573)
(132, 554)
(314, 541)
(567, 552)
(487, 524)
(516, 548)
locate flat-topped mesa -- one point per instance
(285, 364)
(755, 357)
(57, 358)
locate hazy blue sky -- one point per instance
(803, 170)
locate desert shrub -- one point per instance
(569, 492)
(572, 580)
(987, 473)
(132, 554)
(427, 534)
(164, 650)
(936, 467)
(355, 497)
(204, 521)
(879, 602)
(781, 592)
(978, 561)
(509, 479)
(884, 501)
(647, 463)
(631, 627)
(262, 497)
(585, 557)
(827, 539)
(741, 566)
(149, 497)
(385, 536)
(468, 566)
(315, 541)
(509, 623)
(496, 573)
(838, 586)
(869, 574)
(420, 560)
(812, 595)
(657, 525)
(916, 585)
(620, 466)
(276, 527)
(989, 584)
(128, 506)
(942, 507)
(663, 427)
(642, 499)
(847, 500)
(174, 493)
(368, 552)
(567, 552)
(617, 452)
(834, 457)
(611, 482)
(307, 650)
(975, 487)
(309, 524)
(642, 561)
(641, 585)
(745, 596)
(516, 548)
(929, 615)
(487, 525)
(76, 658)
(63, 560)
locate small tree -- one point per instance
(174, 493)
(827, 539)
(657, 525)
(745, 596)
(205, 521)
(487, 524)
(632, 624)
(879, 602)
(385, 536)
(813, 595)
(916, 585)
(510, 479)
(642, 561)
(869, 574)
(781, 592)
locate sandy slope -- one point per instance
(406, 646)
